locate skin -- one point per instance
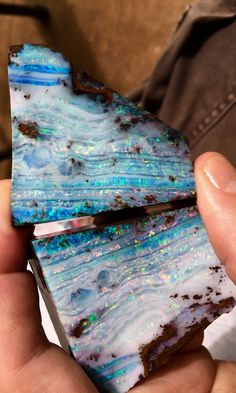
(31, 364)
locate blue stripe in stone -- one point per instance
(41, 68)
(34, 81)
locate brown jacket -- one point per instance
(193, 86)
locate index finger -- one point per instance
(14, 243)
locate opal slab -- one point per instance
(129, 296)
(80, 149)
(123, 298)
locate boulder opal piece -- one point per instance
(124, 297)
(81, 149)
(129, 296)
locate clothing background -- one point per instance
(193, 85)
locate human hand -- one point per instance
(30, 364)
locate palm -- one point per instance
(30, 364)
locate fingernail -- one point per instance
(220, 173)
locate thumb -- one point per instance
(216, 197)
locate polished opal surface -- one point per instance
(127, 294)
(79, 148)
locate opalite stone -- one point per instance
(126, 295)
(81, 149)
(123, 298)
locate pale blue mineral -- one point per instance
(79, 148)
(127, 296)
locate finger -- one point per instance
(20, 327)
(225, 380)
(216, 195)
(14, 244)
(27, 360)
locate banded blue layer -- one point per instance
(116, 289)
(81, 154)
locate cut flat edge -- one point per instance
(102, 220)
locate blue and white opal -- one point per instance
(80, 154)
(127, 294)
